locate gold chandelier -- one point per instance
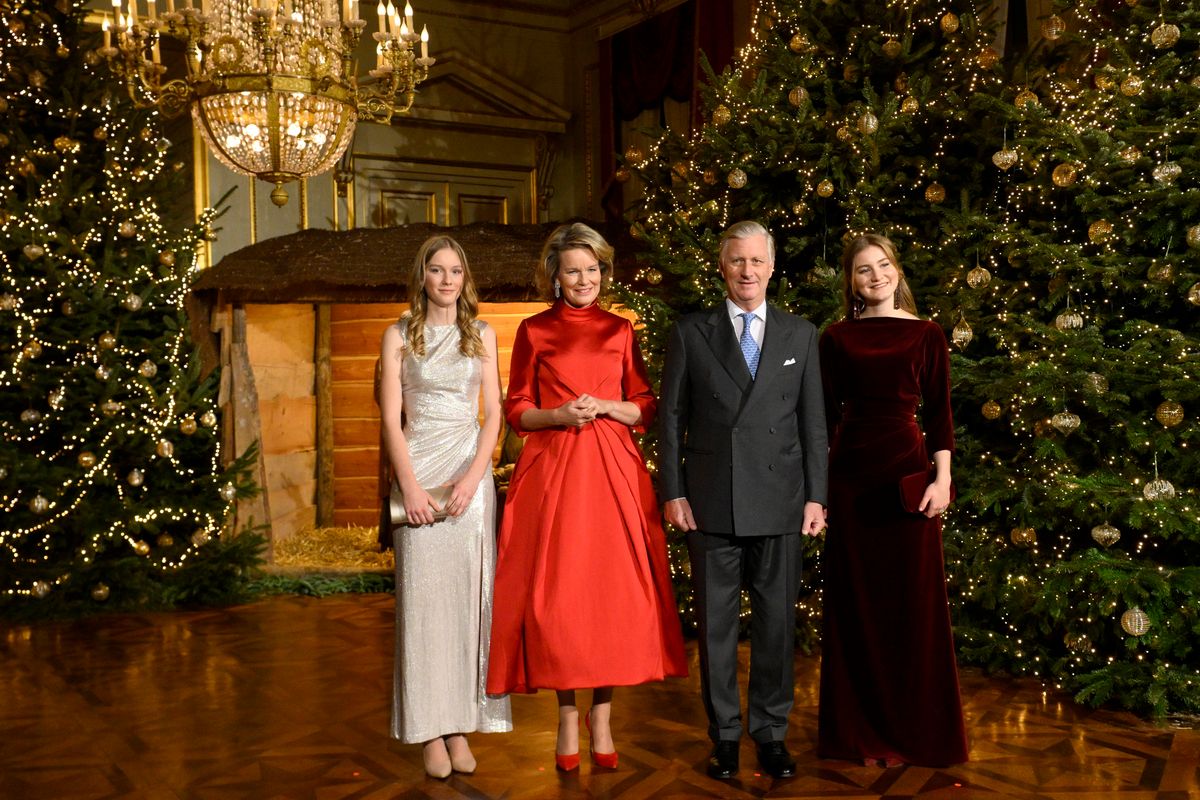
(271, 83)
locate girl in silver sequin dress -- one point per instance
(434, 363)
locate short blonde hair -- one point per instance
(572, 236)
(745, 230)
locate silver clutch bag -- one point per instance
(440, 495)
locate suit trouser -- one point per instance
(769, 566)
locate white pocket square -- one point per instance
(789, 362)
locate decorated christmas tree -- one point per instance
(1077, 557)
(112, 481)
(1043, 205)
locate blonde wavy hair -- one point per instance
(470, 343)
(572, 236)
(853, 304)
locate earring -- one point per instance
(858, 306)
(896, 295)
(557, 289)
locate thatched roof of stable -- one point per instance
(371, 265)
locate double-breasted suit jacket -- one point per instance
(747, 453)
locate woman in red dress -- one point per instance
(583, 594)
(889, 682)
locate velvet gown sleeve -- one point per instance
(833, 406)
(522, 381)
(936, 418)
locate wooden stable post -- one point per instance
(322, 358)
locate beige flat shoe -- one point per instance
(461, 758)
(437, 760)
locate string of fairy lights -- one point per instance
(103, 417)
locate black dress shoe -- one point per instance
(775, 760)
(723, 763)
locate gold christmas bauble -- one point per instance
(1167, 172)
(1193, 294)
(187, 426)
(26, 168)
(1096, 382)
(1161, 272)
(798, 43)
(135, 477)
(39, 589)
(201, 537)
(868, 123)
(56, 399)
(165, 448)
(141, 548)
(961, 334)
(1053, 27)
(1169, 413)
(909, 105)
(721, 115)
(1005, 159)
(127, 229)
(39, 505)
(1025, 98)
(87, 459)
(1064, 175)
(949, 22)
(132, 301)
(1129, 155)
(33, 349)
(1165, 35)
(634, 155)
(710, 176)
(843, 133)
(988, 57)
(107, 341)
(901, 82)
(1076, 642)
(110, 407)
(736, 178)
(1193, 236)
(1104, 81)
(622, 174)
(1023, 537)
(33, 251)
(146, 133)
(825, 188)
(167, 258)
(65, 144)
(979, 277)
(653, 277)
(208, 419)
(103, 373)
(892, 47)
(1135, 622)
(1158, 489)
(147, 369)
(227, 492)
(1131, 86)
(100, 134)
(7, 302)
(1100, 231)
(68, 308)
(1069, 320)
(100, 592)
(1065, 422)
(799, 208)
(935, 192)
(852, 72)
(680, 169)
(797, 96)
(165, 540)
(30, 416)
(1106, 535)
(991, 410)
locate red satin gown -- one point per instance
(889, 681)
(583, 593)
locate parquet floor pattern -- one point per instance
(289, 698)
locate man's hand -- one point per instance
(678, 512)
(814, 519)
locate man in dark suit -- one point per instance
(744, 452)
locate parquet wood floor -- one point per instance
(289, 698)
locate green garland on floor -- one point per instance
(321, 585)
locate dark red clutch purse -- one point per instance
(912, 490)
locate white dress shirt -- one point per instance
(758, 325)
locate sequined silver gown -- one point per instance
(444, 571)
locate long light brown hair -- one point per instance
(853, 303)
(572, 236)
(470, 343)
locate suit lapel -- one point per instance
(725, 348)
(776, 345)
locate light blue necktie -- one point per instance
(748, 345)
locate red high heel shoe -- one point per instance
(567, 763)
(606, 760)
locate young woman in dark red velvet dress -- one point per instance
(889, 681)
(583, 594)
